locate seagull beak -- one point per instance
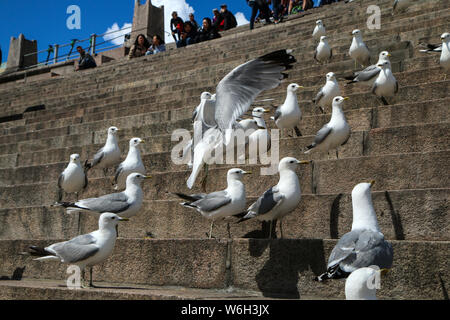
(247, 172)
(123, 219)
(304, 162)
(147, 177)
(142, 141)
(266, 111)
(372, 183)
(384, 271)
(346, 98)
(388, 54)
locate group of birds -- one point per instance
(216, 120)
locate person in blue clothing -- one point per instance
(262, 7)
(188, 35)
(157, 46)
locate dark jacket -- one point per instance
(86, 61)
(176, 24)
(227, 19)
(205, 35)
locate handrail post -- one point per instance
(55, 53)
(93, 43)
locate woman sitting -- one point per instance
(139, 48)
(208, 32)
(157, 45)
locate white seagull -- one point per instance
(220, 204)
(108, 155)
(132, 163)
(319, 30)
(288, 115)
(364, 245)
(323, 51)
(260, 137)
(385, 85)
(444, 49)
(86, 250)
(362, 284)
(73, 179)
(369, 74)
(335, 133)
(234, 95)
(126, 203)
(326, 94)
(358, 50)
(281, 199)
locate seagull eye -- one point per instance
(113, 218)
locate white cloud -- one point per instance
(117, 38)
(241, 19)
(180, 6)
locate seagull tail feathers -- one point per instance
(185, 196)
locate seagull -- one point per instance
(281, 199)
(335, 133)
(252, 124)
(73, 179)
(361, 284)
(108, 155)
(400, 5)
(444, 49)
(126, 203)
(288, 115)
(319, 30)
(364, 245)
(86, 250)
(260, 137)
(234, 95)
(132, 163)
(323, 51)
(385, 85)
(369, 74)
(220, 204)
(358, 50)
(326, 94)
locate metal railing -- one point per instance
(54, 51)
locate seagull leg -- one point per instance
(321, 109)
(105, 171)
(83, 280)
(337, 155)
(297, 131)
(210, 229)
(76, 194)
(281, 227)
(228, 230)
(117, 231)
(270, 229)
(91, 284)
(383, 99)
(204, 178)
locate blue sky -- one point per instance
(45, 20)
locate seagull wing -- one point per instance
(265, 203)
(236, 92)
(114, 202)
(212, 202)
(77, 249)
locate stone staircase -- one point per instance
(403, 146)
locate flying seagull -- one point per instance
(234, 95)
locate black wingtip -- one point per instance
(281, 57)
(184, 196)
(38, 251)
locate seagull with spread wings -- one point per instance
(234, 95)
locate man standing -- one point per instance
(262, 7)
(176, 26)
(226, 19)
(86, 61)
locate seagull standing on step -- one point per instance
(385, 85)
(234, 96)
(400, 5)
(220, 204)
(108, 155)
(257, 138)
(126, 203)
(358, 50)
(132, 163)
(444, 49)
(73, 179)
(323, 51)
(361, 284)
(289, 115)
(326, 94)
(86, 250)
(281, 199)
(369, 74)
(364, 245)
(335, 133)
(319, 30)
